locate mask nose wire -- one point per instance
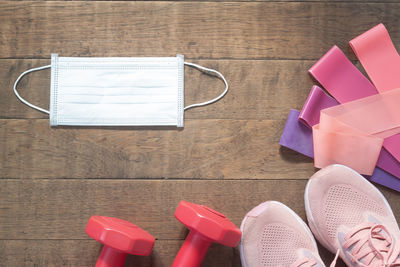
(20, 97)
(210, 71)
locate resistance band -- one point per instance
(352, 133)
(345, 83)
(298, 137)
(342, 80)
(316, 101)
(379, 57)
(340, 77)
(297, 134)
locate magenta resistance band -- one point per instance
(316, 101)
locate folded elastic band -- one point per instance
(377, 115)
(298, 137)
(360, 152)
(379, 57)
(316, 101)
(340, 77)
(346, 83)
(352, 133)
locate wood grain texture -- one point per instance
(261, 89)
(83, 253)
(60, 209)
(226, 157)
(255, 30)
(203, 149)
(41, 217)
(297, 1)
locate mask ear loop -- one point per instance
(186, 108)
(214, 72)
(23, 100)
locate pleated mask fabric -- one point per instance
(118, 91)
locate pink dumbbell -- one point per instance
(119, 238)
(206, 226)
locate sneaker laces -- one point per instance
(310, 262)
(373, 244)
(304, 262)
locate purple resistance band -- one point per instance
(297, 136)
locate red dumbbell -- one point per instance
(119, 238)
(206, 226)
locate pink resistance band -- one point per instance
(379, 57)
(300, 138)
(342, 79)
(352, 133)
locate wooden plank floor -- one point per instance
(227, 156)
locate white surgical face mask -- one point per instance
(117, 91)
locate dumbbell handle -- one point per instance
(110, 257)
(192, 251)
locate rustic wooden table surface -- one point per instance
(227, 156)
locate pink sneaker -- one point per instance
(274, 236)
(348, 214)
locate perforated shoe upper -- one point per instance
(340, 201)
(274, 236)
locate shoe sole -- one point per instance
(264, 205)
(312, 223)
